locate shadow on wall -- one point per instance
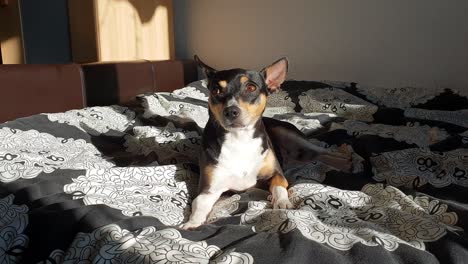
(146, 9)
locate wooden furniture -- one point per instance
(117, 83)
(115, 30)
(31, 89)
(11, 40)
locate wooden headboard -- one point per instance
(31, 89)
(118, 83)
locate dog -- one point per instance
(240, 148)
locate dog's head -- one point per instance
(237, 96)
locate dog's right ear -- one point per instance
(275, 74)
(206, 69)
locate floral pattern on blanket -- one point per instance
(376, 216)
(416, 167)
(112, 184)
(13, 222)
(177, 145)
(161, 192)
(147, 245)
(459, 117)
(112, 120)
(26, 154)
(412, 133)
(403, 97)
(161, 105)
(336, 101)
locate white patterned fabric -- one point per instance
(306, 122)
(402, 97)
(190, 92)
(26, 154)
(224, 207)
(161, 192)
(110, 120)
(278, 103)
(338, 102)
(112, 244)
(13, 222)
(159, 105)
(412, 133)
(459, 118)
(113, 184)
(177, 145)
(375, 216)
(417, 167)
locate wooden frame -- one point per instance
(61, 87)
(116, 30)
(11, 36)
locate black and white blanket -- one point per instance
(111, 184)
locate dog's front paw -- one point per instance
(190, 225)
(282, 204)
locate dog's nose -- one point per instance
(231, 112)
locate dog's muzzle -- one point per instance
(231, 113)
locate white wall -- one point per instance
(377, 42)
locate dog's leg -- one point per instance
(295, 145)
(309, 151)
(201, 207)
(337, 161)
(278, 185)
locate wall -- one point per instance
(377, 42)
(45, 31)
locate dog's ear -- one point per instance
(275, 74)
(206, 69)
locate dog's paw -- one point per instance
(190, 225)
(346, 165)
(343, 159)
(282, 204)
(339, 162)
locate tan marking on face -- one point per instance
(278, 180)
(269, 165)
(222, 83)
(255, 110)
(217, 110)
(243, 79)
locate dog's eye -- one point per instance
(251, 88)
(216, 91)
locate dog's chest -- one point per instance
(239, 162)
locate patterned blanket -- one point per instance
(111, 184)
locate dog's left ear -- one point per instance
(207, 70)
(275, 74)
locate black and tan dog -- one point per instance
(240, 147)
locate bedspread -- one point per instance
(111, 184)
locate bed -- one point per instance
(111, 184)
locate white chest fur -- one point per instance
(239, 162)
